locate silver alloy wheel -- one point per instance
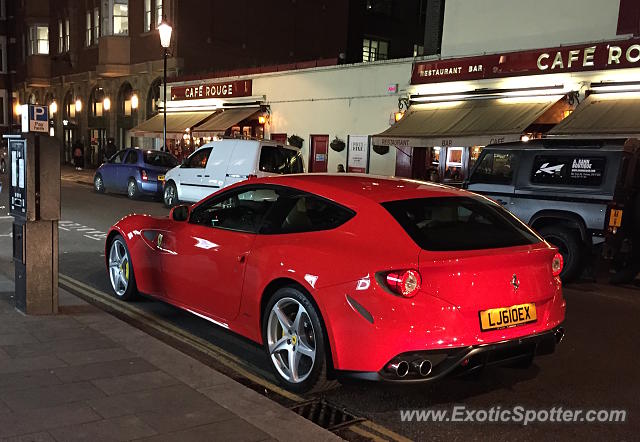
(291, 340)
(169, 195)
(97, 183)
(131, 189)
(119, 267)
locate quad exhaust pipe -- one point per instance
(402, 368)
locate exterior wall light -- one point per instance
(134, 101)
(53, 107)
(262, 119)
(106, 103)
(78, 105)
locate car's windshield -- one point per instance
(160, 159)
(458, 223)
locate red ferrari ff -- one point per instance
(351, 275)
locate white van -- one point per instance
(221, 163)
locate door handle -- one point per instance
(199, 176)
(207, 176)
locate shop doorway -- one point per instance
(69, 134)
(413, 162)
(98, 141)
(319, 153)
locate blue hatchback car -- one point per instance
(135, 172)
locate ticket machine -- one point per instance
(34, 202)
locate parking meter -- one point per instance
(34, 202)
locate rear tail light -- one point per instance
(144, 175)
(404, 282)
(557, 264)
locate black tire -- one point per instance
(132, 189)
(170, 187)
(98, 183)
(570, 247)
(131, 292)
(317, 379)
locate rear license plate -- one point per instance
(615, 218)
(503, 317)
(160, 177)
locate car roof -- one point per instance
(372, 187)
(616, 144)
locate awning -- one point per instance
(223, 120)
(177, 123)
(465, 123)
(603, 114)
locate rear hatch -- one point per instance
(477, 256)
(157, 163)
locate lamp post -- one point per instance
(164, 29)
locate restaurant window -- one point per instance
(453, 166)
(159, 14)
(418, 50)
(373, 50)
(494, 168)
(474, 154)
(568, 170)
(147, 15)
(96, 25)
(88, 31)
(60, 37)
(38, 40)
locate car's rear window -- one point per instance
(159, 159)
(458, 223)
(276, 159)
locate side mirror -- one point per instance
(180, 213)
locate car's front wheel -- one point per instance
(98, 183)
(170, 195)
(294, 340)
(123, 280)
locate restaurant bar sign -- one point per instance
(227, 89)
(617, 54)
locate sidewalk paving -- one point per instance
(84, 176)
(85, 375)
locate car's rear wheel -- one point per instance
(132, 189)
(294, 340)
(569, 246)
(170, 195)
(123, 280)
(98, 183)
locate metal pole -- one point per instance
(164, 100)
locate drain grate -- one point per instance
(326, 414)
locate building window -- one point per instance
(3, 54)
(96, 25)
(67, 36)
(88, 31)
(38, 39)
(373, 50)
(120, 17)
(418, 50)
(3, 109)
(60, 38)
(159, 14)
(147, 15)
(3, 10)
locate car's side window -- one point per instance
(199, 159)
(119, 157)
(241, 210)
(133, 157)
(302, 212)
(495, 168)
(568, 170)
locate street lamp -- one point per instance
(164, 29)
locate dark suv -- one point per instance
(572, 191)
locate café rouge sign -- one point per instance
(227, 89)
(609, 55)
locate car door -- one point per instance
(192, 175)
(110, 170)
(129, 169)
(494, 177)
(207, 255)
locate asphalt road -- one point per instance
(595, 367)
